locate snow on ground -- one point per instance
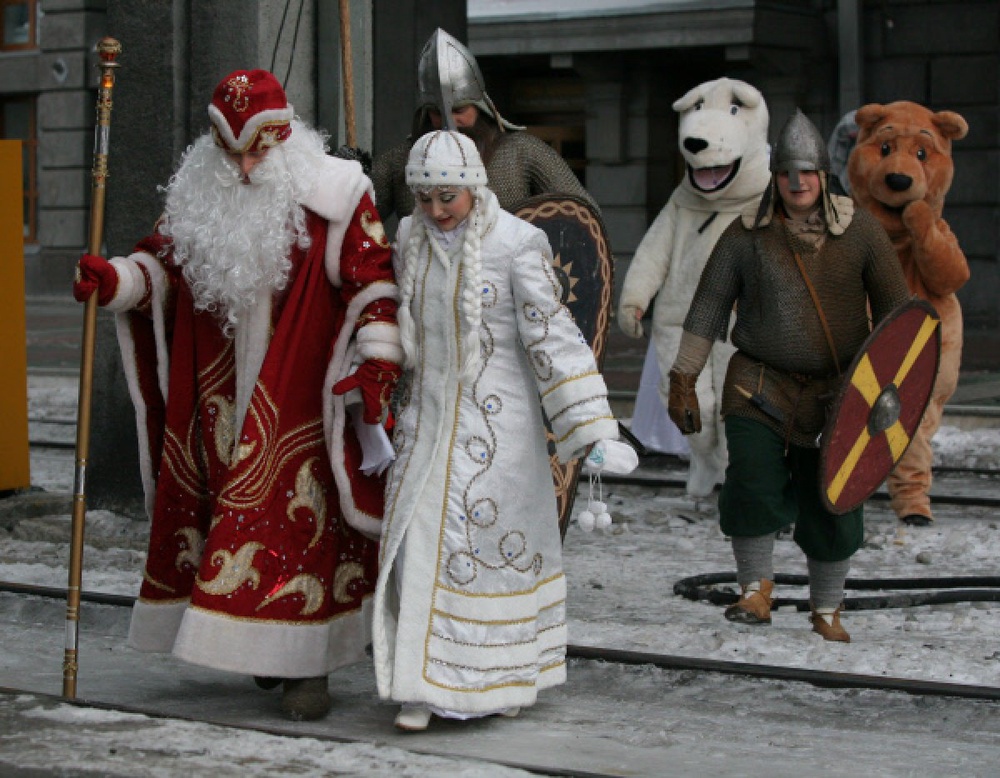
(69, 740)
(621, 581)
(620, 596)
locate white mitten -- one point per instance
(611, 456)
(630, 320)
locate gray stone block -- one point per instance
(625, 226)
(18, 74)
(65, 110)
(977, 177)
(961, 81)
(978, 297)
(897, 79)
(63, 70)
(71, 30)
(617, 185)
(977, 230)
(63, 228)
(66, 148)
(50, 273)
(951, 27)
(61, 6)
(984, 125)
(65, 188)
(605, 123)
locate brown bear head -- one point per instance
(903, 154)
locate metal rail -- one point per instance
(821, 678)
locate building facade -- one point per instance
(595, 78)
(600, 77)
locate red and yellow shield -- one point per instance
(880, 405)
(582, 261)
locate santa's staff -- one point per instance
(347, 70)
(108, 49)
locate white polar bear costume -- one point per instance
(723, 138)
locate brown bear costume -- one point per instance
(901, 170)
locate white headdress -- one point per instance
(438, 159)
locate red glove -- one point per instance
(93, 272)
(376, 378)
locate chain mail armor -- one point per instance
(783, 352)
(518, 165)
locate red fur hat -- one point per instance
(250, 112)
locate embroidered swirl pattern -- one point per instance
(482, 513)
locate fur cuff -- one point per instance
(132, 287)
(380, 340)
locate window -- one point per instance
(18, 24)
(17, 122)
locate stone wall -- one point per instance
(945, 54)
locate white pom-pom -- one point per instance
(602, 520)
(586, 520)
(597, 507)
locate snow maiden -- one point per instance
(470, 615)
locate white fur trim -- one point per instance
(131, 285)
(154, 625)
(380, 340)
(240, 144)
(158, 278)
(255, 647)
(340, 185)
(583, 435)
(253, 337)
(335, 409)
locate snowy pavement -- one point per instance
(607, 718)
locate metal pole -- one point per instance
(108, 49)
(347, 71)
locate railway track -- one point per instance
(820, 678)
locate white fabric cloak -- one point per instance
(477, 621)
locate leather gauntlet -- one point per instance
(682, 402)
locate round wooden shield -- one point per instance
(879, 406)
(581, 258)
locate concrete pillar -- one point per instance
(173, 55)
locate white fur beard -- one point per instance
(233, 239)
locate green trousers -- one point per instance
(767, 489)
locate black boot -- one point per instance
(305, 699)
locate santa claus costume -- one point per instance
(267, 281)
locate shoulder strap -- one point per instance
(815, 299)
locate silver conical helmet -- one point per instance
(799, 147)
(448, 76)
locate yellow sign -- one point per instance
(15, 470)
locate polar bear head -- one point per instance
(723, 138)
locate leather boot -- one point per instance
(754, 605)
(826, 623)
(305, 699)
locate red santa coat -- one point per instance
(256, 561)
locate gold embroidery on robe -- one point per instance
(373, 228)
(346, 573)
(156, 584)
(265, 462)
(309, 494)
(304, 584)
(191, 554)
(234, 570)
